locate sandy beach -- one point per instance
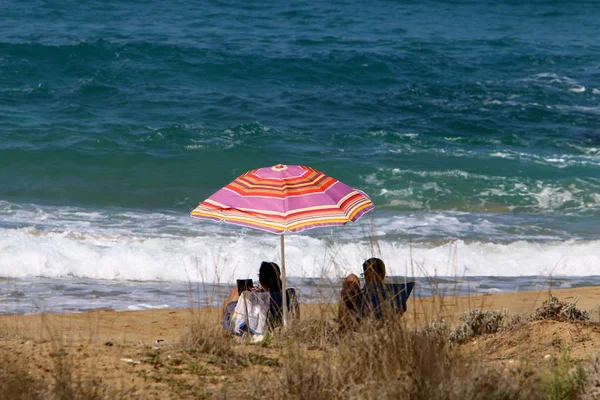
(142, 354)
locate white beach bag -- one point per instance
(251, 313)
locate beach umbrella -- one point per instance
(284, 198)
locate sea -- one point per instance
(473, 126)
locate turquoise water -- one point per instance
(473, 127)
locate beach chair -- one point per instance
(379, 301)
(275, 313)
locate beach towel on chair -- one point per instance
(251, 313)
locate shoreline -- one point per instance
(167, 322)
(71, 295)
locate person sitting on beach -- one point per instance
(269, 276)
(355, 303)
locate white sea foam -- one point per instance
(590, 158)
(384, 133)
(411, 204)
(115, 244)
(139, 307)
(551, 197)
(577, 89)
(553, 78)
(441, 225)
(195, 146)
(435, 187)
(373, 178)
(502, 155)
(27, 253)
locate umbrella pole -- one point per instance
(284, 283)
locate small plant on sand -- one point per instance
(565, 380)
(197, 368)
(560, 311)
(153, 358)
(436, 328)
(477, 322)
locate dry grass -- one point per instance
(61, 381)
(312, 359)
(65, 382)
(390, 361)
(396, 361)
(205, 336)
(16, 384)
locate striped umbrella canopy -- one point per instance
(285, 198)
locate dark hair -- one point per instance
(376, 267)
(269, 275)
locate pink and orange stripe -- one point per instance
(285, 198)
